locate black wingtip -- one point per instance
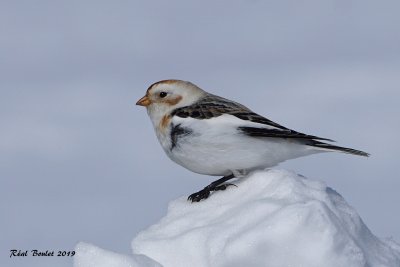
(341, 149)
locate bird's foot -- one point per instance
(206, 191)
(202, 194)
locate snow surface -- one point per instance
(272, 218)
(88, 255)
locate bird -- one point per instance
(211, 135)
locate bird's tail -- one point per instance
(329, 147)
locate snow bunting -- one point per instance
(211, 135)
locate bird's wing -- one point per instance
(212, 106)
(248, 122)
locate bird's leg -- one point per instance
(214, 186)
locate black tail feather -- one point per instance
(339, 148)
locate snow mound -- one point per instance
(273, 218)
(91, 256)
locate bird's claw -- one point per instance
(202, 194)
(205, 192)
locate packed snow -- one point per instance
(272, 218)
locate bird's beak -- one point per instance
(144, 101)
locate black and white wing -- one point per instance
(212, 106)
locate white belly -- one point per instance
(222, 154)
(216, 147)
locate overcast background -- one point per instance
(80, 162)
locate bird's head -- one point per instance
(164, 96)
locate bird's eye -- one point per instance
(163, 94)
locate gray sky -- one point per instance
(80, 162)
